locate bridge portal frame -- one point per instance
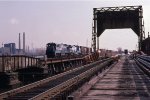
(139, 29)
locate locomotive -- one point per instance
(50, 50)
(54, 50)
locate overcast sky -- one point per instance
(63, 21)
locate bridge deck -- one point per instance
(124, 81)
(42, 87)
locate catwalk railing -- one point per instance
(62, 82)
(12, 63)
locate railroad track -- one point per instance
(123, 81)
(52, 86)
(144, 64)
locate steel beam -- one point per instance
(118, 17)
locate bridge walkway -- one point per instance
(124, 81)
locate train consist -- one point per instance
(54, 50)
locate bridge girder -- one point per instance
(117, 18)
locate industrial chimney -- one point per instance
(19, 43)
(24, 42)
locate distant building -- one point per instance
(19, 52)
(9, 48)
(39, 51)
(5, 51)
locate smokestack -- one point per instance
(19, 43)
(24, 42)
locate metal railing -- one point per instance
(41, 82)
(65, 85)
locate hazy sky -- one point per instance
(63, 21)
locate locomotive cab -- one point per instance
(50, 50)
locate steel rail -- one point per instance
(145, 63)
(41, 82)
(49, 94)
(142, 67)
(146, 58)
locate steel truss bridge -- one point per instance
(117, 18)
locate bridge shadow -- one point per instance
(30, 74)
(142, 83)
(133, 82)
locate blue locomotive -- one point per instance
(54, 50)
(50, 50)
